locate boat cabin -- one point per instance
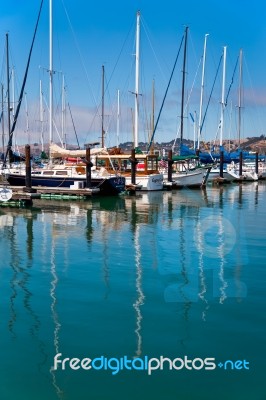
(147, 164)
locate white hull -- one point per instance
(246, 176)
(148, 182)
(215, 174)
(189, 178)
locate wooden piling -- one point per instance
(88, 167)
(28, 167)
(133, 162)
(170, 165)
(221, 164)
(28, 188)
(240, 163)
(257, 163)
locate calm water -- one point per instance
(177, 275)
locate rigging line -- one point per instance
(160, 111)
(73, 124)
(54, 124)
(231, 83)
(79, 52)
(118, 58)
(226, 101)
(156, 58)
(9, 146)
(215, 78)
(113, 71)
(83, 63)
(254, 98)
(187, 103)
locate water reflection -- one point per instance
(20, 266)
(139, 291)
(187, 248)
(55, 318)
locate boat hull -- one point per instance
(246, 176)
(151, 182)
(107, 185)
(215, 174)
(190, 179)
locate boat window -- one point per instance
(152, 163)
(47, 172)
(36, 173)
(61, 173)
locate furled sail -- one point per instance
(59, 152)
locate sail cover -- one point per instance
(58, 152)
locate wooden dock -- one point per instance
(24, 196)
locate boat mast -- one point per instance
(27, 117)
(102, 105)
(118, 119)
(240, 95)
(3, 126)
(63, 111)
(8, 90)
(136, 125)
(223, 98)
(50, 71)
(152, 117)
(202, 89)
(183, 87)
(13, 92)
(41, 115)
(195, 130)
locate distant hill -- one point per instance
(250, 144)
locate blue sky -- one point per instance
(89, 34)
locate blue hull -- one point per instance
(107, 186)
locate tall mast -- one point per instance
(41, 115)
(3, 127)
(102, 105)
(183, 86)
(63, 111)
(51, 71)
(27, 118)
(8, 89)
(118, 119)
(202, 89)
(13, 92)
(152, 117)
(240, 95)
(136, 125)
(223, 98)
(195, 130)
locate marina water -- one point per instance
(174, 276)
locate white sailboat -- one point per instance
(186, 176)
(233, 170)
(147, 174)
(66, 175)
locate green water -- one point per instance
(173, 274)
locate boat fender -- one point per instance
(80, 170)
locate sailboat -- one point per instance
(148, 177)
(64, 175)
(5, 192)
(247, 174)
(184, 175)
